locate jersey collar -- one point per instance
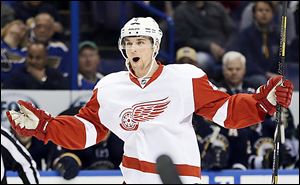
(153, 77)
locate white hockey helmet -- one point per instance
(141, 26)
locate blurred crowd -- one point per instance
(235, 42)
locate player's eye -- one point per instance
(140, 43)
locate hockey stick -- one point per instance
(279, 132)
(167, 170)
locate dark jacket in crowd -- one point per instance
(198, 28)
(250, 44)
(246, 88)
(21, 79)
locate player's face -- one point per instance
(234, 72)
(139, 51)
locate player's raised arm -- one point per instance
(240, 110)
(73, 132)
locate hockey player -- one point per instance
(150, 108)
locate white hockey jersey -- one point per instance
(155, 119)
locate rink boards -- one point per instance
(221, 177)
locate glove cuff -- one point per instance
(263, 104)
(40, 132)
(266, 106)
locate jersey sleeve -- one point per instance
(80, 131)
(236, 111)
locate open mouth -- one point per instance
(135, 59)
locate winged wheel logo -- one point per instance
(142, 112)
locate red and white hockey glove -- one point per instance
(274, 92)
(30, 121)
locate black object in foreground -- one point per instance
(167, 170)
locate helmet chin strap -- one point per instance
(149, 70)
(127, 64)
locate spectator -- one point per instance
(222, 145)
(234, 70)
(206, 27)
(35, 74)
(13, 38)
(26, 10)
(43, 29)
(15, 157)
(248, 18)
(260, 44)
(260, 137)
(186, 55)
(89, 60)
(7, 14)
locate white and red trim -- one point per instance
(90, 132)
(221, 114)
(236, 111)
(80, 131)
(149, 167)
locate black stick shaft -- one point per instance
(167, 170)
(279, 132)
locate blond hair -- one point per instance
(6, 28)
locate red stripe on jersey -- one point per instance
(242, 109)
(148, 167)
(206, 99)
(69, 132)
(90, 113)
